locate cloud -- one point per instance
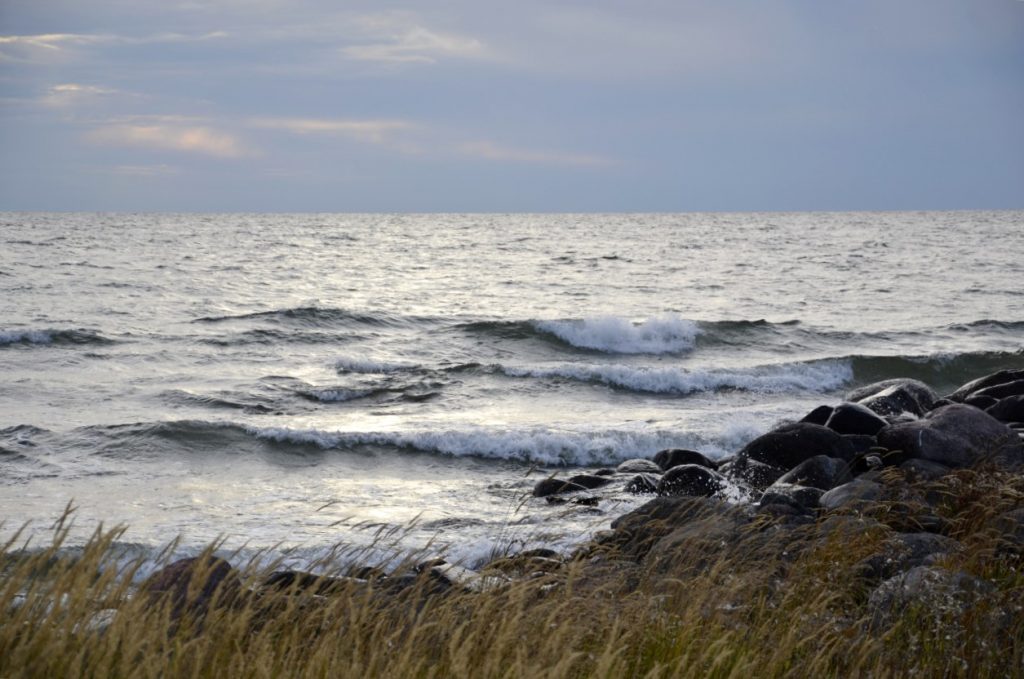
(370, 131)
(397, 38)
(491, 151)
(160, 170)
(72, 94)
(43, 46)
(201, 140)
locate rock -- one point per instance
(854, 418)
(696, 544)
(931, 592)
(856, 492)
(981, 402)
(910, 396)
(997, 378)
(861, 444)
(673, 457)
(634, 533)
(1011, 531)
(801, 497)
(589, 481)
(755, 474)
(956, 435)
(639, 466)
(819, 471)
(554, 486)
(1009, 409)
(691, 479)
(1001, 391)
(919, 392)
(791, 444)
(217, 582)
(605, 472)
(904, 551)
(642, 483)
(819, 415)
(924, 470)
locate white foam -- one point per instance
(30, 336)
(785, 378)
(537, 445)
(666, 334)
(370, 366)
(335, 395)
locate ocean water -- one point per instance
(290, 383)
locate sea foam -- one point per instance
(666, 334)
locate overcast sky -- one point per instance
(474, 105)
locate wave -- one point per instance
(370, 366)
(270, 337)
(317, 316)
(50, 337)
(940, 370)
(988, 324)
(667, 334)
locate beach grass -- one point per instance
(738, 612)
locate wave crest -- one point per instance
(49, 336)
(666, 334)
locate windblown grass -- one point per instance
(759, 609)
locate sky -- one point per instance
(527, 106)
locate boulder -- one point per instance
(642, 483)
(819, 415)
(904, 551)
(751, 473)
(216, 582)
(997, 378)
(802, 497)
(1000, 391)
(1009, 409)
(933, 593)
(791, 444)
(855, 493)
(924, 470)
(589, 481)
(673, 457)
(820, 471)
(980, 402)
(854, 418)
(956, 436)
(896, 393)
(896, 401)
(553, 486)
(638, 466)
(692, 480)
(636, 532)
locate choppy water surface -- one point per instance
(302, 380)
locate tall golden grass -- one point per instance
(757, 612)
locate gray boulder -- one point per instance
(855, 493)
(934, 593)
(891, 397)
(641, 484)
(997, 378)
(854, 418)
(800, 497)
(1009, 409)
(552, 486)
(751, 473)
(956, 436)
(638, 466)
(1000, 391)
(692, 480)
(673, 457)
(791, 444)
(820, 471)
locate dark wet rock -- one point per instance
(791, 444)
(934, 593)
(956, 435)
(553, 486)
(755, 474)
(904, 551)
(981, 402)
(802, 497)
(856, 493)
(819, 471)
(634, 534)
(1001, 391)
(673, 457)
(897, 400)
(854, 418)
(996, 378)
(924, 470)
(586, 501)
(639, 466)
(216, 582)
(698, 543)
(861, 444)
(1009, 409)
(299, 581)
(691, 479)
(605, 472)
(589, 481)
(539, 552)
(642, 483)
(942, 402)
(366, 572)
(819, 415)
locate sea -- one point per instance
(304, 387)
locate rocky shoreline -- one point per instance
(873, 464)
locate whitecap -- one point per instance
(665, 334)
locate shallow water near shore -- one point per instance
(290, 382)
